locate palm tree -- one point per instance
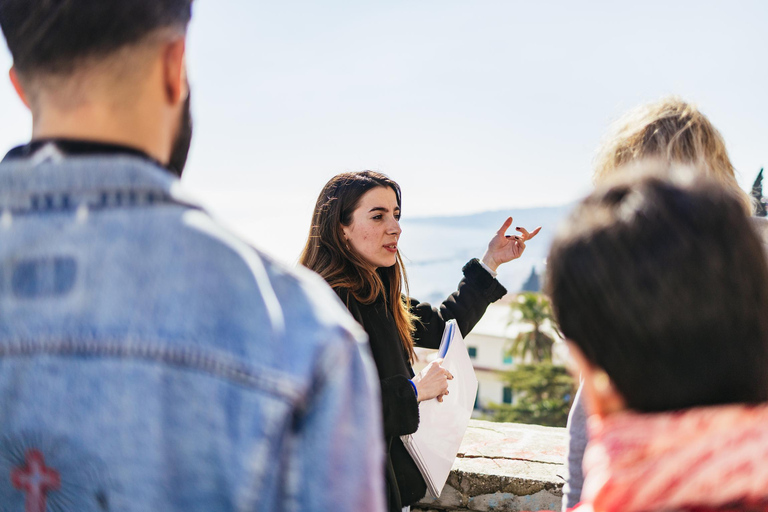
(535, 310)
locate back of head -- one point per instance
(56, 36)
(663, 284)
(104, 70)
(673, 130)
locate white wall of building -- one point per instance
(490, 340)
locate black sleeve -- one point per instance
(400, 409)
(467, 305)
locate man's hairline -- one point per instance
(152, 39)
(35, 83)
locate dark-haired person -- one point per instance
(148, 359)
(352, 244)
(661, 290)
(672, 130)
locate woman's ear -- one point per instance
(601, 395)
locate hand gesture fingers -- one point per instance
(503, 247)
(526, 235)
(504, 227)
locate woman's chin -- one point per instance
(388, 263)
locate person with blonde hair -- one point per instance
(670, 129)
(671, 132)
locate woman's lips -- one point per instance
(391, 248)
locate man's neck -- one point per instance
(132, 129)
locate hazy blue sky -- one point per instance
(470, 105)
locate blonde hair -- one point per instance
(674, 131)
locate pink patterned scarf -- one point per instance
(698, 459)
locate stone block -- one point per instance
(504, 467)
(449, 498)
(508, 502)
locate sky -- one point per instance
(470, 106)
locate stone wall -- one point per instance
(505, 467)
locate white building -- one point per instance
(488, 344)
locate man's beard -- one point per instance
(183, 139)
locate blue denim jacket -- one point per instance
(151, 361)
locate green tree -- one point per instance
(761, 209)
(534, 309)
(544, 394)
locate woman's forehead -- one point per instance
(379, 197)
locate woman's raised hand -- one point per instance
(432, 381)
(503, 248)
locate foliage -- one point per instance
(544, 394)
(534, 309)
(758, 200)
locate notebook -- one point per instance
(435, 444)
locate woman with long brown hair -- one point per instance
(352, 244)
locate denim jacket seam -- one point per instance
(251, 376)
(118, 191)
(96, 200)
(319, 373)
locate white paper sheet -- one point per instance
(442, 425)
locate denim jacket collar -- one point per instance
(75, 147)
(52, 180)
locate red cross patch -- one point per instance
(35, 479)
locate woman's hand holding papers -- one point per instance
(432, 381)
(503, 248)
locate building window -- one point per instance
(507, 359)
(507, 399)
(477, 398)
(472, 352)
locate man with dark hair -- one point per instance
(93, 71)
(660, 287)
(663, 285)
(148, 359)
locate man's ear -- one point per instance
(600, 393)
(175, 71)
(17, 86)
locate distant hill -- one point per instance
(435, 248)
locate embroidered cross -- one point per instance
(35, 479)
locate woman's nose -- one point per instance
(394, 227)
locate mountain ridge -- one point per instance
(435, 248)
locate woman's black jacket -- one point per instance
(467, 305)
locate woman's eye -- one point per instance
(377, 217)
